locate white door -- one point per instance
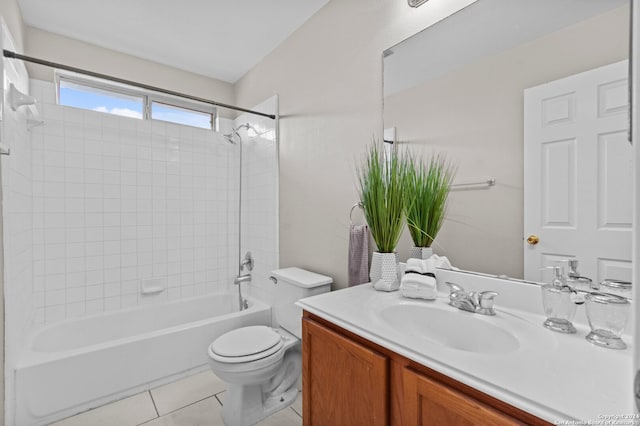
(578, 179)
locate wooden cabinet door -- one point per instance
(428, 402)
(344, 383)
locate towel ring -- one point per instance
(359, 204)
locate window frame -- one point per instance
(182, 104)
(147, 96)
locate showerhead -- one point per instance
(247, 126)
(231, 137)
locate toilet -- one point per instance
(260, 364)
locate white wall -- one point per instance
(328, 76)
(56, 48)
(12, 16)
(118, 201)
(475, 114)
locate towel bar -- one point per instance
(487, 182)
(358, 204)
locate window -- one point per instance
(176, 114)
(96, 99)
(128, 101)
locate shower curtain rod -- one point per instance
(14, 55)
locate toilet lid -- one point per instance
(247, 343)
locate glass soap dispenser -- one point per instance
(557, 300)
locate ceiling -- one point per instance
(222, 39)
(486, 27)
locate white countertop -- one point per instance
(554, 376)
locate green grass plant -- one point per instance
(382, 188)
(426, 192)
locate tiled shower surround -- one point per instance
(118, 201)
(260, 199)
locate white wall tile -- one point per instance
(54, 313)
(55, 297)
(260, 200)
(94, 306)
(73, 295)
(113, 200)
(76, 309)
(94, 292)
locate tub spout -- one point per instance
(242, 303)
(242, 279)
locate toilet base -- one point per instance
(246, 405)
(251, 409)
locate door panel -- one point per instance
(615, 182)
(558, 170)
(429, 402)
(578, 175)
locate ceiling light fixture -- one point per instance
(416, 3)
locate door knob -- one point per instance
(533, 239)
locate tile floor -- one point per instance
(193, 401)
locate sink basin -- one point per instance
(449, 327)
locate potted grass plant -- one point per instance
(426, 192)
(382, 188)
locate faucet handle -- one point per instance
(247, 262)
(457, 295)
(485, 302)
(454, 288)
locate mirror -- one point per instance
(457, 87)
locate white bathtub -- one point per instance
(82, 363)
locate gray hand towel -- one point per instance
(358, 254)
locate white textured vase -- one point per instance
(384, 271)
(420, 252)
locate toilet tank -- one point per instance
(293, 284)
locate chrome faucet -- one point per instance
(574, 277)
(246, 278)
(477, 302)
(247, 262)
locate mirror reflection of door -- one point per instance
(578, 174)
(458, 88)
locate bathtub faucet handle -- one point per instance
(247, 262)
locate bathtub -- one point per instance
(78, 364)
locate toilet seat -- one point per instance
(246, 344)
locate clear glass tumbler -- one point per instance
(617, 287)
(607, 315)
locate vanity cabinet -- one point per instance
(348, 380)
(345, 382)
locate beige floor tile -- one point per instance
(204, 413)
(222, 396)
(297, 405)
(126, 412)
(286, 417)
(179, 394)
